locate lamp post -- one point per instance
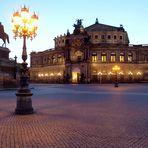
(15, 67)
(100, 76)
(24, 26)
(116, 68)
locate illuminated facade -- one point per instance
(88, 56)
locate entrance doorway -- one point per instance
(75, 75)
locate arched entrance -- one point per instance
(76, 75)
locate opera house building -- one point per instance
(88, 55)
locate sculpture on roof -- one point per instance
(97, 22)
(78, 27)
(4, 36)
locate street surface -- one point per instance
(77, 116)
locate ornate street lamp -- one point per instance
(24, 26)
(116, 68)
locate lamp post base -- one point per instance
(24, 103)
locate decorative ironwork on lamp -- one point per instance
(24, 26)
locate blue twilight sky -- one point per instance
(56, 16)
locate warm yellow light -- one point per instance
(51, 74)
(121, 73)
(59, 74)
(110, 73)
(74, 76)
(139, 73)
(99, 73)
(16, 18)
(116, 68)
(46, 74)
(94, 71)
(34, 19)
(24, 24)
(25, 14)
(130, 73)
(16, 21)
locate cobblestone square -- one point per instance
(77, 116)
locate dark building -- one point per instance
(88, 55)
(8, 69)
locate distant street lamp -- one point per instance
(24, 26)
(116, 68)
(100, 76)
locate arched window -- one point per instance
(94, 57)
(113, 57)
(104, 57)
(53, 60)
(122, 59)
(49, 60)
(59, 59)
(130, 57)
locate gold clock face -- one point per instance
(76, 43)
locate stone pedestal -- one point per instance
(24, 102)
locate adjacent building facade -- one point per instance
(88, 55)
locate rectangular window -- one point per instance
(121, 58)
(120, 37)
(130, 58)
(94, 58)
(113, 58)
(103, 57)
(115, 37)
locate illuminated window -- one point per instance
(94, 57)
(103, 57)
(113, 57)
(53, 59)
(130, 57)
(59, 59)
(122, 57)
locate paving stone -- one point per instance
(81, 116)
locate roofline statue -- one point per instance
(4, 36)
(78, 27)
